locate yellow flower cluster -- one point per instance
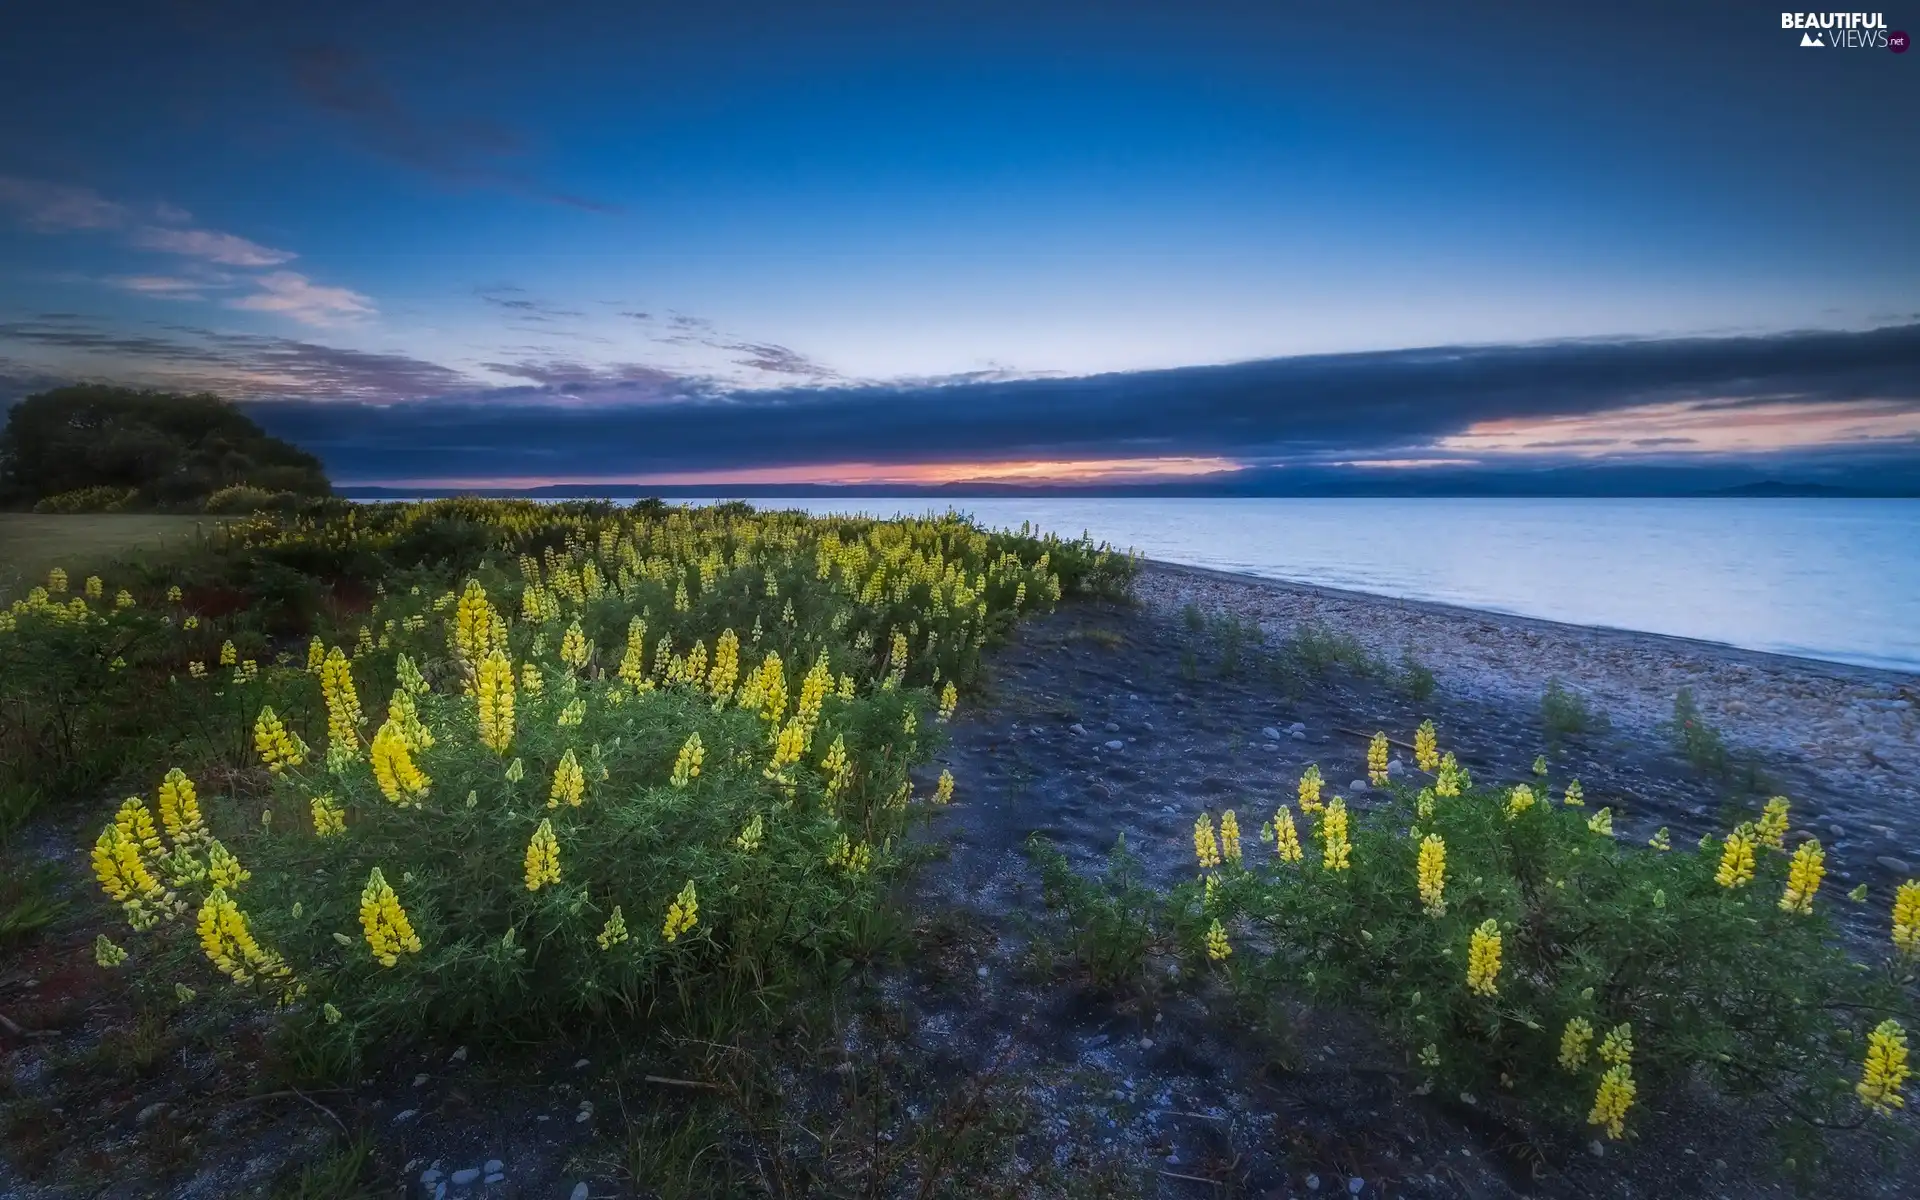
(1616, 1048)
(1661, 840)
(1433, 874)
(1575, 1040)
(1885, 1071)
(1519, 800)
(726, 666)
(316, 655)
(943, 794)
(230, 946)
(1576, 797)
(837, 767)
(949, 700)
(401, 782)
(850, 856)
(574, 648)
(614, 931)
(180, 808)
(1483, 959)
(1446, 781)
(493, 701)
(278, 748)
(1310, 784)
(388, 932)
(1611, 1102)
(751, 837)
(1217, 946)
(1230, 837)
(543, 857)
(1906, 918)
(229, 654)
(1286, 839)
(328, 819)
(1334, 846)
(1377, 760)
(223, 868)
(1602, 822)
(106, 953)
(1736, 860)
(686, 767)
(1205, 847)
(477, 630)
(682, 915)
(569, 782)
(343, 704)
(1804, 874)
(1426, 747)
(1772, 827)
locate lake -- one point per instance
(1831, 579)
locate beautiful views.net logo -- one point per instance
(1849, 31)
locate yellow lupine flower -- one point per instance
(1611, 1102)
(1423, 804)
(614, 931)
(1286, 839)
(788, 746)
(343, 703)
(1377, 760)
(1446, 781)
(1483, 959)
(401, 782)
(180, 808)
(574, 650)
(1310, 783)
(726, 665)
(949, 699)
(1576, 797)
(1229, 837)
(836, 766)
(1574, 1042)
(1616, 1048)
(57, 581)
(751, 837)
(1772, 827)
(123, 599)
(388, 932)
(277, 748)
(850, 856)
(1906, 918)
(1661, 840)
(404, 711)
(1426, 747)
(316, 655)
(1519, 800)
(1433, 874)
(573, 714)
(223, 868)
(1217, 946)
(943, 788)
(136, 825)
(686, 767)
(474, 626)
(1736, 861)
(229, 655)
(1205, 848)
(543, 857)
(493, 701)
(1885, 1071)
(1334, 846)
(569, 782)
(106, 953)
(682, 915)
(328, 819)
(1602, 822)
(1804, 874)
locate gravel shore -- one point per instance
(1856, 728)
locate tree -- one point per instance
(172, 449)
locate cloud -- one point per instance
(292, 294)
(632, 379)
(516, 301)
(224, 248)
(1844, 391)
(56, 208)
(165, 287)
(239, 366)
(465, 150)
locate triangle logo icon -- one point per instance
(1808, 39)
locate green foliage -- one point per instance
(1416, 678)
(1699, 741)
(1563, 712)
(168, 449)
(1111, 922)
(100, 499)
(1715, 983)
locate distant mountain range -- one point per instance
(1859, 482)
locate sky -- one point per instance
(489, 242)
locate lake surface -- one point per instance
(1832, 579)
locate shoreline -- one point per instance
(1856, 728)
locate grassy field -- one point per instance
(32, 543)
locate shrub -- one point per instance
(1524, 959)
(1563, 712)
(244, 498)
(99, 499)
(1699, 741)
(690, 804)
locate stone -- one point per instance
(981, 972)
(1396, 767)
(430, 1176)
(1116, 744)
(150, 1113)
(1897, 865)
(405, 1115)
(1297, 729)
(1078, 728)
(440, 1191)
(496, 1177)
(418, 1080)
(1596, 1149)
(580, 1065)
(459, 1055)
(584, 1116)
(579, 1192)
(1113, 727)
(1313, 1183)
(494, 1166)
(1270, 733)
(1837, 830)
(1356, 1185)
(465, 1176)
(1359, 787)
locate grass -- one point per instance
(1565, 712)
(31, 544)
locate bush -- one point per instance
(98, 499)
(691, 810)
(244, 498)
(1563, 712)
(1526, 961)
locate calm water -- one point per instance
(1833, 579)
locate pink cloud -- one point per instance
(224, 248)
(292, 294)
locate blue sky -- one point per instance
(494, 208)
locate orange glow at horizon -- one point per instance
(1693, 427)
(1089, 470)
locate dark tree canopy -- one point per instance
(174, 449)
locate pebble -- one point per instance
(1897, 865)
(981, 972)
(459, 1055)
(496, 1177)
(1116, 744)
(405, 1114)
(1396, 767)
(1113, 727)
(148, 1114)
(1358, 786)
(1078, 728)
(1146, 1043)
(1270, 733)
(440, 1191)
(583, 1118)
(430, 1176)
(1313, 1183)
(494, 1166)
(579, 1192)
(1298, 731)
(419, 1080)
(1837, 830)
(1596, 1149)
(581, 1065)
(465, 1176)
(1356, 1185)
